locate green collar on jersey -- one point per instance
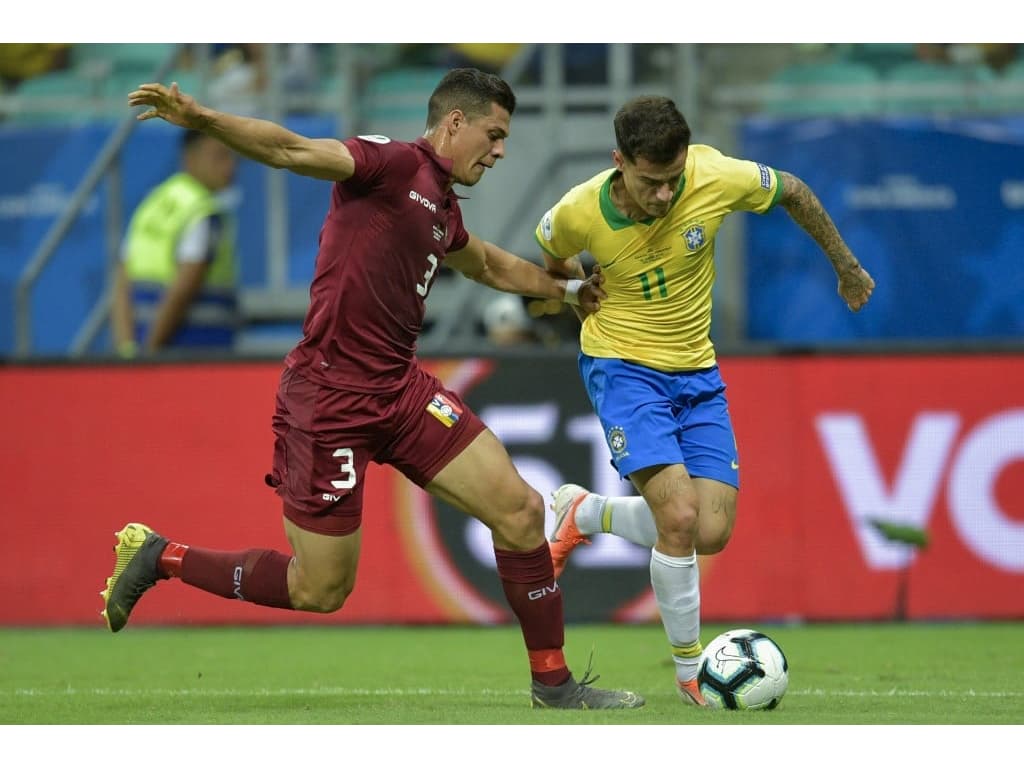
(615, 218)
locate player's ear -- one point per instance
(617, 159)
(456, 119)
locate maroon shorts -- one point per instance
(324, 438)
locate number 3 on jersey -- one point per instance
(423, 287)
(347, 469)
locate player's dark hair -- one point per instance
(651, 127)
(190, 137)
(470, 90)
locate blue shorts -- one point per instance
(652, 418)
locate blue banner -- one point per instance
(43, 166)
(933, 208)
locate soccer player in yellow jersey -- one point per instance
(647, 359)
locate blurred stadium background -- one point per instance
(909, 414)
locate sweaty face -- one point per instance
(650, 186)
(477, 144)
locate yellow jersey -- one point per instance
(658, 272)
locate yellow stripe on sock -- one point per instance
(606, 518)
(691, 651)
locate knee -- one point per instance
(678, 525)
(522, 527)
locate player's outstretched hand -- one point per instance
(855, 286)
(168, 103)
(591, 292)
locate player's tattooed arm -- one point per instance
(804, 207)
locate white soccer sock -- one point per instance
(625, 516)
(676, 583)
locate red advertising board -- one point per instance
(826, 444)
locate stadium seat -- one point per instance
(400, 94)
(880, 56)
(60, 97)
(927, 87)
(1015, 70)
(1010, 97)
(826, 88)
(104, 58)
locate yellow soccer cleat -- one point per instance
(138, 550)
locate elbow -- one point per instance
(280, 157)
(278, 161)
(484, 277)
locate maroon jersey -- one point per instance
(384, 238)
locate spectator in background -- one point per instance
(492, 57)
(175, 285)
(583, 63)
(996, 56)
(238, 76)
(506, 323)
(21, 61)
(240, 73)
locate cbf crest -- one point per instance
(694, 237)
(617, 441)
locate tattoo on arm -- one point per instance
(806, 209)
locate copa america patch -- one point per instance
(546, 226)
(444, 410)
(766, 176)
(617, 441)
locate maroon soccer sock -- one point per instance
(536, 599)
(255, 575)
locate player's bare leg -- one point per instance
(322, 573)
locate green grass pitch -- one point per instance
(868, 674)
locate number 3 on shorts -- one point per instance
(348, 471)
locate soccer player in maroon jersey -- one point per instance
(353, 391)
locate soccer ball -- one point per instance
(743, 669)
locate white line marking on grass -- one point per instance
(902, 693)
(270, 692)
(263, 692)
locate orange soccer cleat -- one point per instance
(689, 692)
(566, 535)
